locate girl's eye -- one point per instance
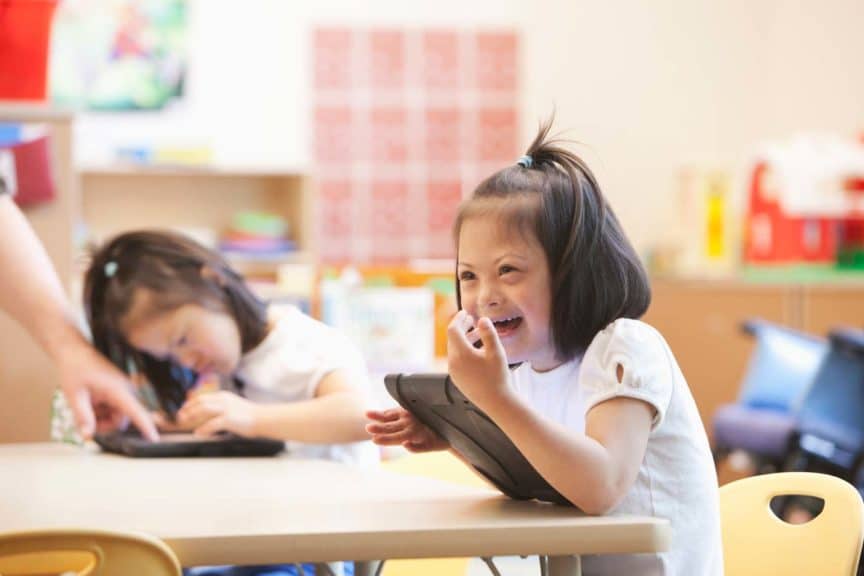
(181, 342)
(505, 269)
(466, 276)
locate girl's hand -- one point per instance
(209, 414)
(480, 373)
(165, 424)
(398, 426)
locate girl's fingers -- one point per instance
(384, 415)
(491, 343)
(385, 428)
(385, 440)
(457, 338)
(192, 415)
(398, 437)
(211, 427)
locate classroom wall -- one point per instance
(648, 87)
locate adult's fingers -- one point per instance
(82, 409)
(123, 400)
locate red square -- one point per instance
(441, 245)
(335, 201)
(336, 251)
(333, 136)
(442, 199)
(443, 135)
(332, 59)
(389, 136)
(497, 138)
(387, 59)
(389, 210)
(496, 59)
(441, 62)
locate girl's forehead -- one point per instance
(145, 309)
(489, 236)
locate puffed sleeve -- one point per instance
(645, 361)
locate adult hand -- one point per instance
(90, 382)
(479, 373)
(398, 426)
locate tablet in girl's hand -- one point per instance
(439, 404)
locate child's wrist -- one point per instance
(255, 421)
(505, 406)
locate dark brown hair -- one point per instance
(176, 271)
(595, 274)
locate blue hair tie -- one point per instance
(525, 161)
(110, 269)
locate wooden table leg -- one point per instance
(565, 566)
(369, 568)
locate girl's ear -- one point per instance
(212, 275)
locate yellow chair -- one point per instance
(440, 466)
(85, 553)
(757, 542)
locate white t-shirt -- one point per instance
(289, 364)
(676, 479)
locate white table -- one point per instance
(281, 510)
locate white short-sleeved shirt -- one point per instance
(676, 479)
(289, 364)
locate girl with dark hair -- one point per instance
(548, 343)
(164, 307)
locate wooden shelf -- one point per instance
(33, 112)
(190, 170)
(125, 197)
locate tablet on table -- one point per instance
(130, 443)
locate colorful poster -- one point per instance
(118, 54)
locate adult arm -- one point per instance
(33, 295)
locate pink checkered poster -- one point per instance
(405, 123)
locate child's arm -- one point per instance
(335, 415)
(594, 471)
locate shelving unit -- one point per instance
(204, 200)
(119, 198)
(27, 376)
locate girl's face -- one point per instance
(198, 338)
(504, 275)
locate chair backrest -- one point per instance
(831, 418)
(756, 542)
(85, 553)
(782, 366)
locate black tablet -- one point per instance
(435, 401)
(130, 443)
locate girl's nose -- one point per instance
(488, 297)
(187, 359)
